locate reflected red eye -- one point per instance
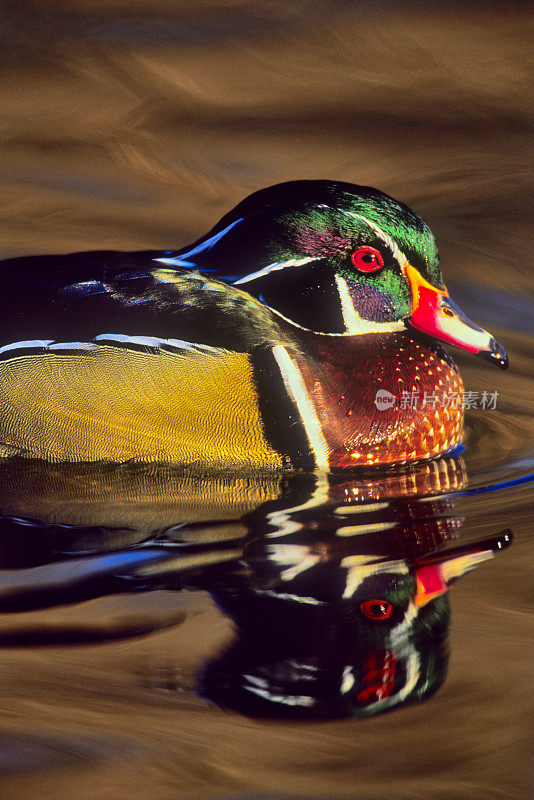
(377, 609)
(367, 259)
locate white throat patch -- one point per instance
(354, 323)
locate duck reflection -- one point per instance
(337, 587)
(328, 629)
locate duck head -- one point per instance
(338, 259)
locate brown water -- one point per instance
(131, 125)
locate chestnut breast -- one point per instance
(382, 398)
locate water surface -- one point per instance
(130, 128)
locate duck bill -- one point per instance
(434, 313)
(434, 574)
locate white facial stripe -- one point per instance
(357, 574)
(277, 265)
(412, 665)
(295, 385)
(398, 633)
(399, 255)
(351, 317)
(413, 671)
(354, 323)
(385, 327)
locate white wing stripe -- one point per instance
(113, 339)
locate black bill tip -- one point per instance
(495, 355)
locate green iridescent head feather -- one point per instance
(326, 207)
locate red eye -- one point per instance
(377, 609)
(366, 259)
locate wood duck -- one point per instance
(289, 337)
